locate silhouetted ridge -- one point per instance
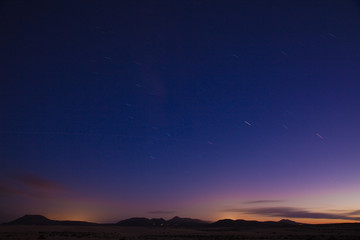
(185, 222)
(41, 220)
(224, 223)
(160, 222)
(229, 223)
(174, 222)
(32, 220)
(287, 221)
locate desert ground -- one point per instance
(110, 232)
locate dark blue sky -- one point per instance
(162, 108)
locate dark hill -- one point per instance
(185, 222)
(41, 220)
(32, 220)
(229, 223)
(289, 222)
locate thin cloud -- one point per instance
(30, 185)
(39, 183)
(263, 201)
(357, 212)
(9, 190)
(288, 212)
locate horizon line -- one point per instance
(176, 216)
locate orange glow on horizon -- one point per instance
(91, 217)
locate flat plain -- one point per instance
(111, 232)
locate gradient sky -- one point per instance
(203, 109)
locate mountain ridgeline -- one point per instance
(158, 222)
(41, 220)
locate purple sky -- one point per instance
(204, 109)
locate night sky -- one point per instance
(203, 109)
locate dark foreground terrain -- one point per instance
(111, 232)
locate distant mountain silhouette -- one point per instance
(32, 220)
(41, 220)
(160, 222)
(185, 222)
(229, 223)
(290, 222)
(174, 222)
